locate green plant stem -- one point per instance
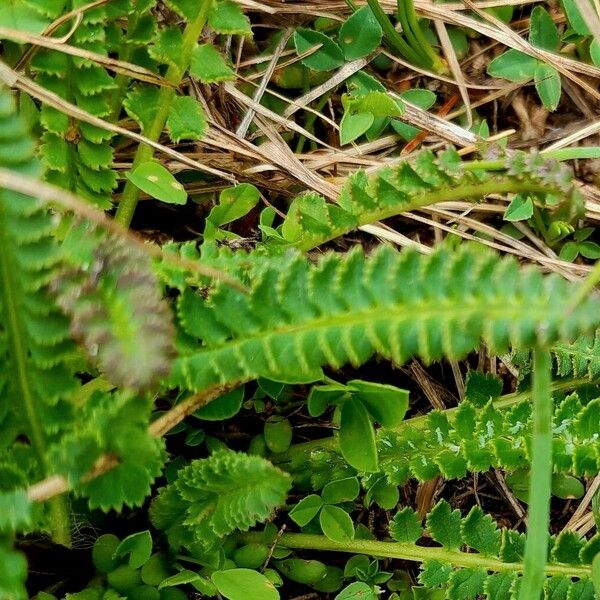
(412, 552)
(415, 36)
(540, 482)
(174, 75)
(477, 190)
(420, 421)
(394, 39)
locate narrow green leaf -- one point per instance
(548, 85)
(152, 178)
(357, 437)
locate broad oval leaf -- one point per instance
(242, 584)
(306, 510)
(226, 406)
(156, 181)
(336, 524)
(360, 34)
(138, 546)
(341, 490)
(352, 126)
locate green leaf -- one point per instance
(360, 34)
(590, 250)
(13, 573)
(358, 590)
(444, 525)
(352, 126)
(434, 573)
(595, 51)
(595, 573)
(569, 252)
(329, 56)
(321, 396)
(336, 523)
(566, 486)
(357, 438)
(138, 546)
(341, 490)
(542, 30)
(209, 66)
(406, 527)
(156, 181)
(519, 209)
(228, 18)
(514, 66)
(278, 434)
(548, 85)
(224, 407)
(141, 103)
(242, 584)
(480, 532)
(379, 104)
(480, 388)
(212, 497)
(16, 15)
(186, 120)
(306, 510)
(168, 46)
(575, 18)
(181, 578)
(188, 9)
(15, 511)
(234, 202)
(466, 584)
(386, 404)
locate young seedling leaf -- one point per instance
(152, 178)
(352, 126)
(386, 404)
(519, 209)
(138, 546)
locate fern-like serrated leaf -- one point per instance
(214, 496)
(78, 156)
(580, 358)
(421, 181)
(298, 317)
